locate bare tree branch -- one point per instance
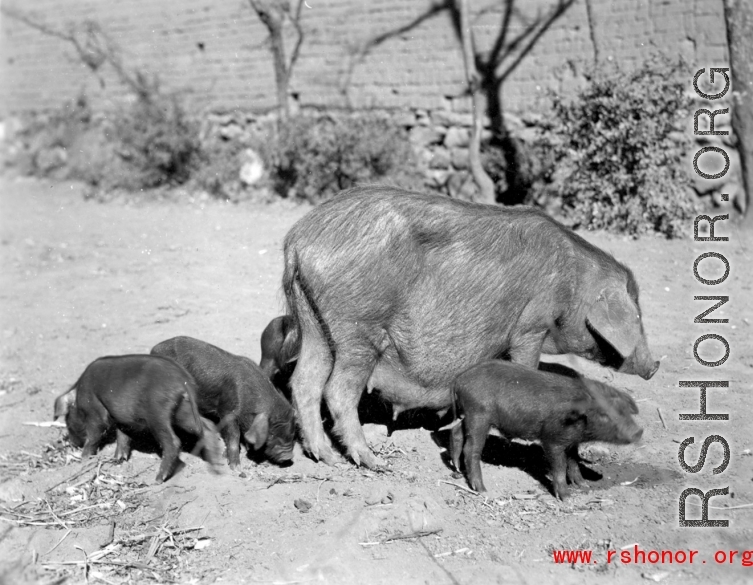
(558, 11)
(592, 32)
(499, 43)
(359, 53)
(296, 22)
(94, 48)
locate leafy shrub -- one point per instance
(45, 141)
(618, 152)
(157, 139)
(315, 157)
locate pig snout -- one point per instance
(279, 455)
(630, 432)
(654, 368)
(640, 363)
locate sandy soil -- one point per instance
(82, 279)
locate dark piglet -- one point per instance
(238, 396)
(141, 397)
(279, 350)
(559, 411)
(402, 292)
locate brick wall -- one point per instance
(215, 50)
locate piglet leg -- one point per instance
(123, 446)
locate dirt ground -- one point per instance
(82, 279)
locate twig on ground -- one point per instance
(79, 473)
(318, 488)
(59, 542)
(418, 534)
(661, 418)
(86, 563)
(461, 487)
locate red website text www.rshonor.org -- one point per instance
(635, 555)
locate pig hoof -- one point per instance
(562, 495)
(326, 455)
(367, 459)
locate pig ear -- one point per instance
(577, 412)
(615, 317)
(63, 404)
(257, 434)
(630, 402)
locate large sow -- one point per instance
(403, 291)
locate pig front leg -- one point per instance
(574, 475)
(123, 446)
(555, 454)
(95, 430)
(456, 444)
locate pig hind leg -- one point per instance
(171, 445)
(343, 393)
(307, 388)
(202, 431)
(183, 418)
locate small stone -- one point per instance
(452, 118)
(379, 495)
(460, 158)
(457, 137)
(424, 135)
(252, 168)
(302, 505)
(407, 119)
(440, 158)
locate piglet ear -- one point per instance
(257, 434)
(614, 316)
(577, 412)
(63, 404)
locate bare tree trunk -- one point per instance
(483, 181)
(272, 13)
(738, 15)
(592, 33)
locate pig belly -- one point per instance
(405, 393)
